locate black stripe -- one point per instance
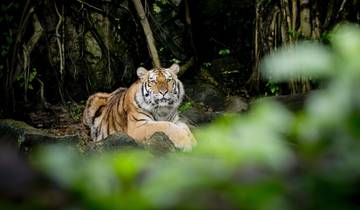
(97, 113)
(119, 112)
(138, 120)
(112, 122)
(97, 132)
(142, 90)
(118, 100)
(147, 115)
(178, 89)
(137, 102)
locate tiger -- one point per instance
(148, 106)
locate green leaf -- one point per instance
(174, 60)
(32, 75)
(156, 8)
(185, 106)
(224, 52)
(346, 41)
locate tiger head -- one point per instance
(160, 88)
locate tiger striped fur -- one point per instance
(149, 105)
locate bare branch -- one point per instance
(148, 33)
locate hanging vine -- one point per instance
(285, 22)
(61, 48)
(56, 35)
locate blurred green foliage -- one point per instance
(273, 88)
(268, 158)
(156, 8)
(225, 51)
(185, 106)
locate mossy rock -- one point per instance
(20, 134)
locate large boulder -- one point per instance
(21, 135)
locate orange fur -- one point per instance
(147, 106)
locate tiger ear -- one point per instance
(175, 68)
(141, 72)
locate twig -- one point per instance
(341, 8)
(105, 13)
(148, 32)
(186, 66)
(91, 6)
(26, 67)
(329, 14)
(254, 81)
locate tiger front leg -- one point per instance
(187, 129)
(179, 135)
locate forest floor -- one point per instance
(57, 120)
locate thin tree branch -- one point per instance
(61, 47)
(148, 33)
(341, 8)
(27, 49)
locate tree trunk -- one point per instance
(305, 24)
(148, 33)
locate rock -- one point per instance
(195, 116)
(205, 94)
(117, 141)
(24, 136)
(235, 104)
(159, 144)
(294, 102)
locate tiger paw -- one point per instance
(182, 139)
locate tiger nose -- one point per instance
(163, 91)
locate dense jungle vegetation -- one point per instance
(291, 67)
